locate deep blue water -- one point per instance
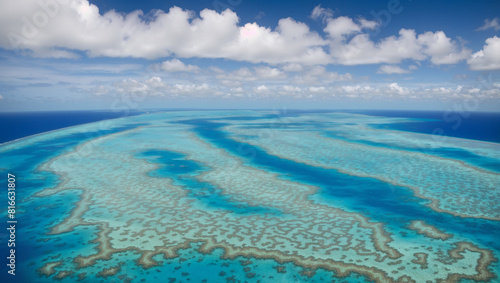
(475, 125)
(16, 125)
(183, 172)
(483, 126)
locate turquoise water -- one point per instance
(216, 196)
(182, 171)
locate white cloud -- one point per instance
(391, 69)
(368, 24)
(190, 88)
(261, 88)
(161, 87)
(358, 89)
(79, 25)
(340, 26)
(493, 24)
(155, 83)
(488, 58)
(441, 49)
(1, 97)
(396, 88)
(317, 89)
(151, 86)
(292, 67)
(269, 73)
(175, 65)
(290, 88)
(321, 13)
(155, 86)
(128, 86)
(362, 50)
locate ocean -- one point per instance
(483, 126)
(15, 125)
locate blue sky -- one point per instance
(79, 54)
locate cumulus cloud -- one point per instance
(261, 88)
(358, 89)
(362, 50)
(364, 23)
(132, 86)
(396, 91)
(340, 27)
(154, 86)
(488, 58)
(64, 30)
(396, 88)
(493, 24)
(175, 65)
(190, 88)
(391, 69)
(79, 25)
(269, 73)
(161, 87)
(441, 49)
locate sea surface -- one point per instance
(15, 125)
(254, 196)
(483, 126)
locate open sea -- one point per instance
(15, 125)
(483, 126)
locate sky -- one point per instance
(233, 54)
